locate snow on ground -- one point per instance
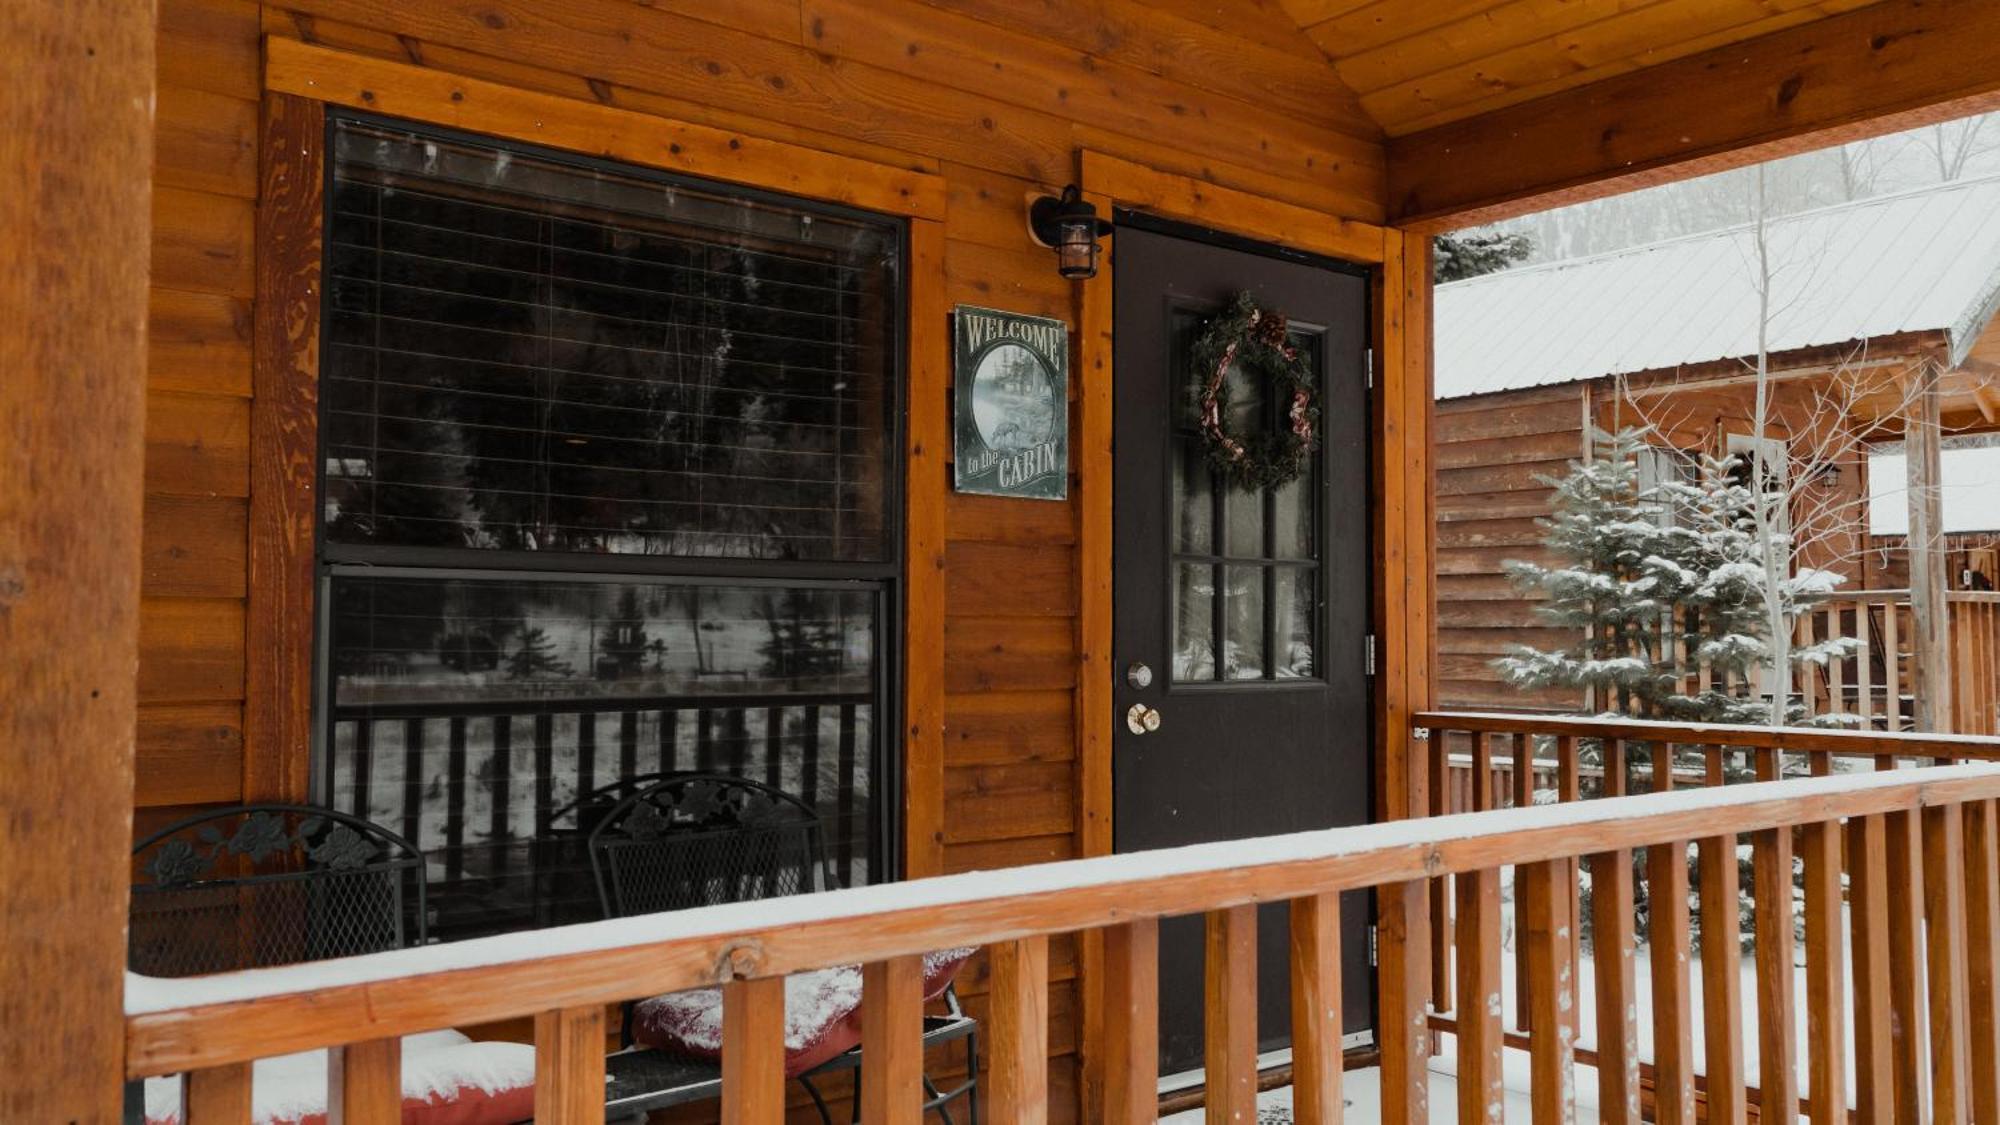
(1361, 1090)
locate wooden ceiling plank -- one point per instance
(1892, 65)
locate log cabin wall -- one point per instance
(995, 97)
(1492, 455)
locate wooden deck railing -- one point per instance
(1913, 864)
(1919, 893)
(1877, 683)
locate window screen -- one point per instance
(609, 463)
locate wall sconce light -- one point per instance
(1071, 228)
(1828, 477)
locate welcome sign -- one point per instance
(1010, 381)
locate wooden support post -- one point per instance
(1929, 610)
(1132, 1022)
(1546, 929)
(1944, 933)
(892, 1041)
(753, 1051)
(1402, 941)
(1826, 968)
(1982, 956)
(1614, 951)
(364, 1083)
(76, 153)
(1722, 979)
(1777, 1047)
(1316, 1010)
(1868, 917)
(218, 1095)
(1908, 1032)
(1229, 1016)
(1016, 1083)
(569, 1066)
(1482, 1092)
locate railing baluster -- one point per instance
(1442, 988)
(1481, 1085)
(1667, 931)
(847, 790)
(454, 799)
(1771, 891)
(1721, 962)
(1892, 664)
(1982, 955)
(1404, 930)
(1132, 1022)
(1614, 951)
(1569, 787)
(774, 746)
(1826, 964)
(586, 752)
(1864, 671)
(753, 1051)
(892, 1041)
(501, 829)
(628, 743)
(1547, 928)
(216, 1095)
(1868, 919)
(569, 1066)
(1524, 797)
(1906, 966)
(1316, 1010)
(1944, 930)
(1482, 771)
(1016, 1084)
(1229, 1015)
(364, 1083)
(413, 781)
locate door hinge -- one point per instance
(1373, 954)
(1368, 655)
(1368, 367)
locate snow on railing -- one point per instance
(565, 976)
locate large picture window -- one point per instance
(609, 482)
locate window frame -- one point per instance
(887, 579)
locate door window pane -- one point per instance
(1194, 623)
(1296, 612)
(473, 716)
(1244, 655)
(1193, 500)
(526, 354)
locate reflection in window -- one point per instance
(651, 386)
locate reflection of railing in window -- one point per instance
(476, 784)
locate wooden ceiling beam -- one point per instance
(1890, 66)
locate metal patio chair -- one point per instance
(271, 884)
(702, 839)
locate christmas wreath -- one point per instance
(1255, 339)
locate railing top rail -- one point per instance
(175, 1025)
(1802, 740)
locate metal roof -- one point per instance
(1923, 260)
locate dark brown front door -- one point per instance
(1241, 615)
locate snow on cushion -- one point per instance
(447, 1080)
(822, 1014)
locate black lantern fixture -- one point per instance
(1071, 228)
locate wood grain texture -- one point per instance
(284, 444)
(892, 1050)
(1722, 979)
(1317, 1020)
(1947, 984)
(1404, 987)
(1888, 66)
(1613, 958)
(928, 442)
(1908, 1012)
(753, 1051)
(1982, 957)
(1777, 1023)
(569, 1065)
(76, 136)
(1868, 919)
(1130, 1080)
(364, 1083)
(1548, 932)
(1229, 1016)
(1826, 973)
(1481, 1083)
(216, 1095)
(1016, 1083)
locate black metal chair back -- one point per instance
(701, 839)
(271, 884)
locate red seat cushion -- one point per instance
(822, 1014)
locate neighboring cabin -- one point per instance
(1529, 358)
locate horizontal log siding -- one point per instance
(817, 72)
(1491, 452)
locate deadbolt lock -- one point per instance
(1141, 719)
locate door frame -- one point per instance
(1399, 267)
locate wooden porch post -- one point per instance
(1929, 608)
(76, 157)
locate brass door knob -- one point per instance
(1141, 719)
